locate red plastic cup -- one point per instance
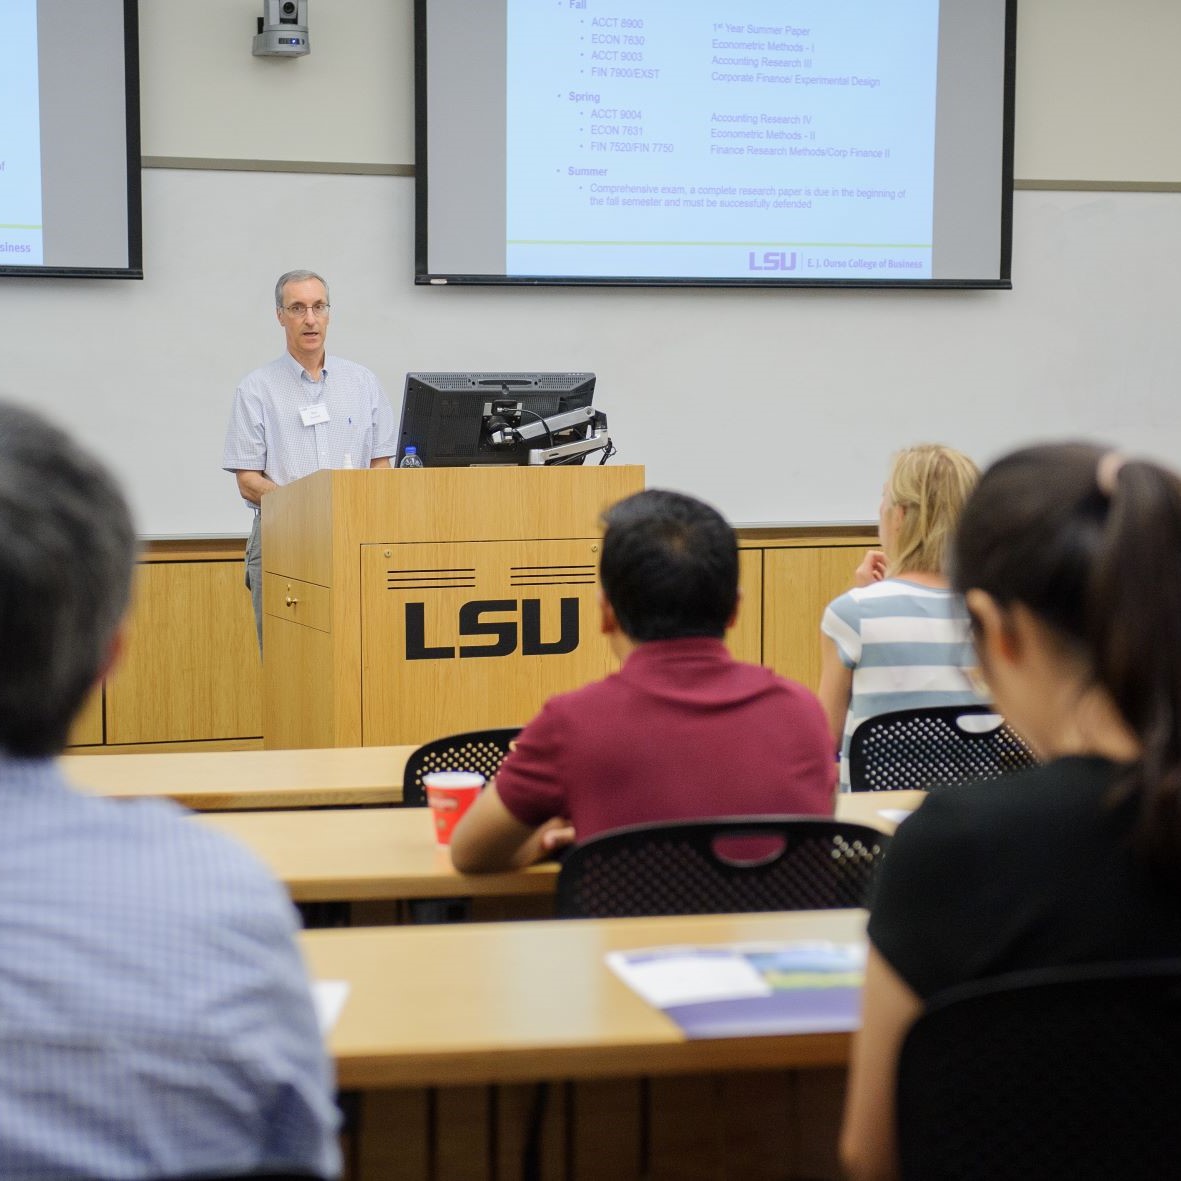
(450, 794)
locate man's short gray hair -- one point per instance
(298, 277)
(67, 550)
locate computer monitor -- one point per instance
(464, 419)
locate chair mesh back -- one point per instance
(924, 748)
(477, 750)
(1074, 1076)
(676, 868)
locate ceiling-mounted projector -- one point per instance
(282, 29)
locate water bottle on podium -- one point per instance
(410, 458)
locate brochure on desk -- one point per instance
(748, 989)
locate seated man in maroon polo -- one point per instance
(682, 731)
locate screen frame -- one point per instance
(423, 276)
(134, 186)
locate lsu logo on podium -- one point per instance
(523, 629)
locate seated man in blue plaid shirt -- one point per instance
(155, 1017)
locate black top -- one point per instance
(1029, 871)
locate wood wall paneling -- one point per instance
(191, 668)
(745, 638)
(191, 673)
(87, 729)
(799, 583)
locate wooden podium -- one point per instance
(403, 604)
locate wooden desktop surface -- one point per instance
(515, 1002)
(362, 854)
(390, 853)
(247, 779)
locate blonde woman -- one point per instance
(899, 639)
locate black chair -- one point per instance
(475, 750)
(925, 748)
(1067, 1073)
(722, 866)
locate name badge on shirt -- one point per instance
(314, 414)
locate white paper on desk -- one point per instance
(329, 997)
(895, 815)
(667, 976)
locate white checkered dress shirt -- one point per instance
(155, 1016)
(267, 434)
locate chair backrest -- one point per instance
(722, 866)
(476, 750)
(1064, 1073)
(924, 748)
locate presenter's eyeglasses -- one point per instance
(299, 310)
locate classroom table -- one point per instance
(366, 854)
(446, 1030)
(510, 1002)
(248, 779)
(390, 853)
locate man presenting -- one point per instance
(302, 412)
(155, 1016)
(682, 732)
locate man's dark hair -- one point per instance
(67, 549)
(669, 566)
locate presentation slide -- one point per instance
(724, 139)
(20, 136)
(769, 142)
(69, 139)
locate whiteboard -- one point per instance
(778, 406)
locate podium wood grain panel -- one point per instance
(190, 669)
(305, 603)
(427, 670)
(299, 703)
(320, 530)
(297, 529)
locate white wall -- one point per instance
(777, 405)
(1098, 90)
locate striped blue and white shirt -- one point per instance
(155, 1015)
(908, 646)
(267, 434)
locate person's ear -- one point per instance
(993, 629)
(114, 653)
(608, 623)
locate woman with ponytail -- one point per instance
(1069, 561)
